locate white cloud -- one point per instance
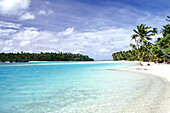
(27, 16)
(24, 43)
(27, 34)
(9, 42)
(97, 44)
(9, 24)
(14, 7)
(150, 20)
(1, 42)
(104, 50)
(31, 28)
(6, 32)
(68, 31)
(78, 51)
(54, 40)
(43, 12)
(6, 49)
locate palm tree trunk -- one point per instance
(135, 52)
(160, 49)
(148, 50)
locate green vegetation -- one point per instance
(25, 57)
(145, 50)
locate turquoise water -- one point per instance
(54, 87)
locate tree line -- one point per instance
(26, 57)
(144, 49)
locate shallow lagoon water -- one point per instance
(54, 87)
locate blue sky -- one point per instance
(96, 28)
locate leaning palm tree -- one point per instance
(134, 48)
(143, 35)
(145, 44)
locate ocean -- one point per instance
(77, 87)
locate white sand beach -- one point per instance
(159, 70)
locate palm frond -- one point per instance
(148, 38)
(135, 31)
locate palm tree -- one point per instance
(168, 17)
(143, 35)
(166, 30)
(145, 46)
(134, 48)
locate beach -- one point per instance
(161, 71)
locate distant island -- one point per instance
(26, 57)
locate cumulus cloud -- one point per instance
(7, 29)
(14, 7)
(102, 43)
(26, 34)
(27, 16)
(97, 44)
(6, 32)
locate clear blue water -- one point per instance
(51, 87)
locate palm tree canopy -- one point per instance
(166, 30)
(143, 33)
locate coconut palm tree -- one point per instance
(134, 48)
(168, 17)
(166, 30)
(145, 44)
(143, 35)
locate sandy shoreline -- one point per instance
(161, 71)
